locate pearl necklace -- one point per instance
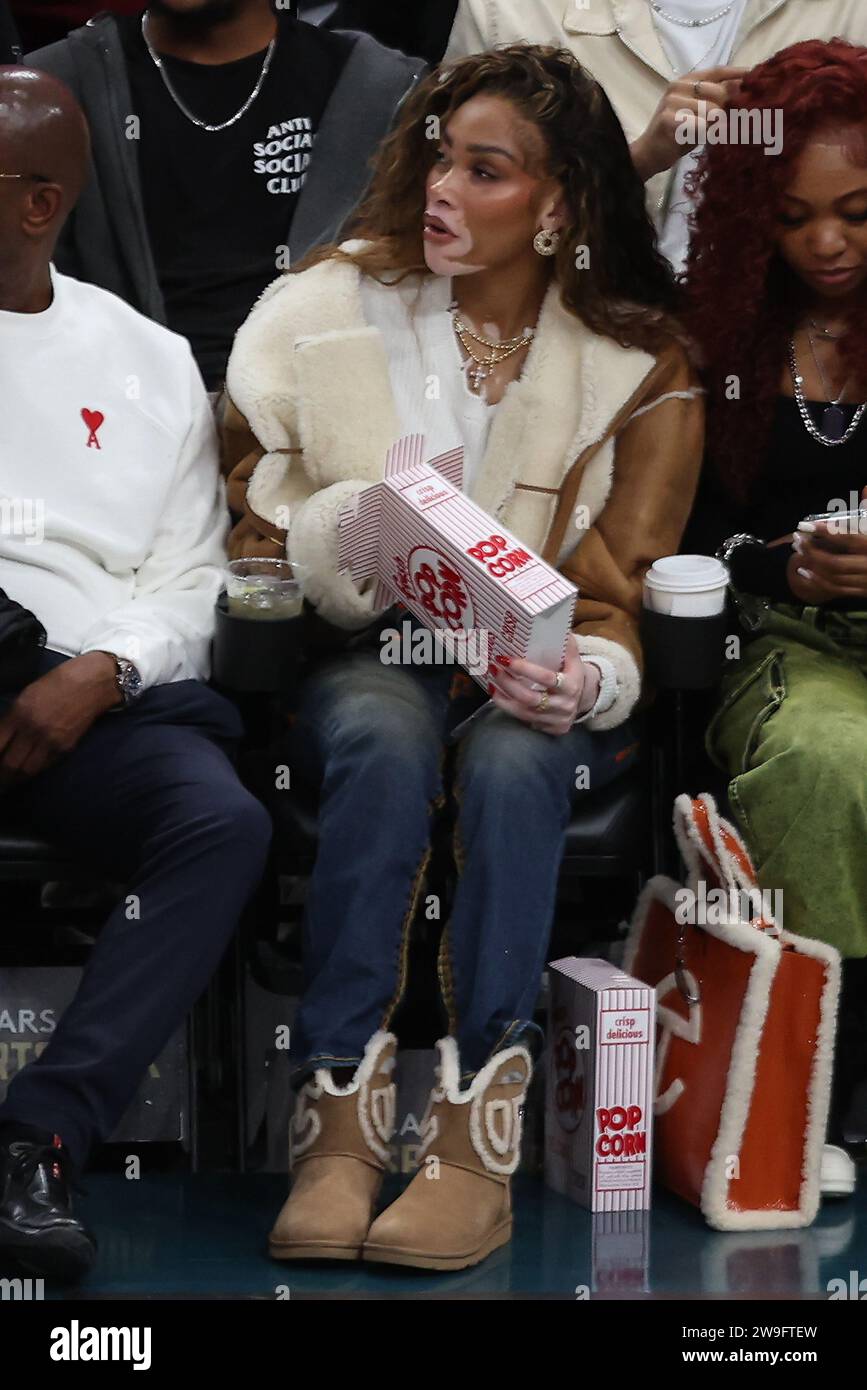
(185, 111)
(691, 23)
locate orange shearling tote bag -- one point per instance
(746, 1019)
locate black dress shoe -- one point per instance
(37, 1228)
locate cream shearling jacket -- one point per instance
(617, 41)
(592, 458)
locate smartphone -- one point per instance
(846, 521)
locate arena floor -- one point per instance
(204, 1236)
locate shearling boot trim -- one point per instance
(375, 1108)
(495, 1125)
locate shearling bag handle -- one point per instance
(708, 842)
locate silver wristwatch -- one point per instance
(128, 681)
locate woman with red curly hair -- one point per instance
(777, 293)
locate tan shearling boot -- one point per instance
(457, 1209)
(338, 1153)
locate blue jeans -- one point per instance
(374, 738)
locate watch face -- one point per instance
(130, 681)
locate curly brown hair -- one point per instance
(627, 292)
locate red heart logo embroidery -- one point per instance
(93, 419)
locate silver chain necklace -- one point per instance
(691, 23)
(832, 417)
(203, 125)
(832, 425)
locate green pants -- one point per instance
(791, 733)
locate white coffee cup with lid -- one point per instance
(686, 586)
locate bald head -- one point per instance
(45, 145)
(43, 131)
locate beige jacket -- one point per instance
(616, 40)
(592, 458)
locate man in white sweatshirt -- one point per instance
(112, 530)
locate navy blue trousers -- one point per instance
(149, 797)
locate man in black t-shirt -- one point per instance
(229, 138)
(220, 189)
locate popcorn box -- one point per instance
(599, 1085)
(452, 565)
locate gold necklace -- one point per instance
(497, 352)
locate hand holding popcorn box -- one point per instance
(452, 565)
(599, 1093)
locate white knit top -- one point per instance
(426, 368)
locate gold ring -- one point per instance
(543, 703)
(558, 681)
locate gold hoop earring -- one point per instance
(546, 243)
